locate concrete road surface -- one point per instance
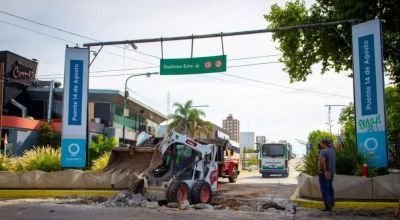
(250, 187)
(55, 209)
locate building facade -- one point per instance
(247, 140)
(27, 102)
(261, 140)
(233, 127)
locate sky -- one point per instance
(260, 96)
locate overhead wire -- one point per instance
(69, 41)
(69, 32)
(114, 75)
(156, 66)
(286, 87)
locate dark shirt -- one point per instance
(330, 158)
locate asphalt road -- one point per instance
(249, 187)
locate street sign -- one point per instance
(195, 65)
(74, 119)
(369, 92)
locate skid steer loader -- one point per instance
(187, 171)
(173, 169)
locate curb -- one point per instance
(21, 194)
(371, 205)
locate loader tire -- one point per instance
(233, 178)
(178, 192)
(201, 192)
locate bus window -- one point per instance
(273, 150)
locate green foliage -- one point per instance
(101, 145)
(316, 136)
(188, 119)
(331, 46)
(349, 159)
(249, 150)
(39, 158)
(47, 136)
(393, 113)
(101, 162)
(347, 120)
(5, 163)
(310, 161)
(253, 161)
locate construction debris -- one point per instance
(128, 199)
(185, 205)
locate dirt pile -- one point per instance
(272, 206)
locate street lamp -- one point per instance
(126, 98)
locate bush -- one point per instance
(349, 160)
(101, 145)
(310, 162)
(101, 162)
(39, 158)
(253, 161)
(47, 136)
(5, 163)
(249, 150)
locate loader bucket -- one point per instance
(129, 160)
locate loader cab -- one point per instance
(175, 159)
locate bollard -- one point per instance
(364, 171)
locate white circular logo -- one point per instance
(373, 146)
(218, 63)
(74, 149)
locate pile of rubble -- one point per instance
(282, 206)
(130, 199)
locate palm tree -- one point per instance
(188, 120)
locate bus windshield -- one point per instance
(273, 150)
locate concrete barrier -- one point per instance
(67, 179)
(385, 187)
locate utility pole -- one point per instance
(329, 115)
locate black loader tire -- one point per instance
(175, 190)
(197, 194)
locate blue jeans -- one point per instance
(328, 194)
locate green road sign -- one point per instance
(195, 65)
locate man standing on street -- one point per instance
(326, 171)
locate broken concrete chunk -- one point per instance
(174, 205)
(185, 205)
(203, 206)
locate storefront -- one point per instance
(27, 102)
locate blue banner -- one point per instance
(73, 152)
(75, 111)
(369, 92)
(369, 104)
(75, 92)
(373, 144)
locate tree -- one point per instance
(188, 120)
(47, 136)
(393, 114)
(331, 47)
(347, 121)
(310, 161)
